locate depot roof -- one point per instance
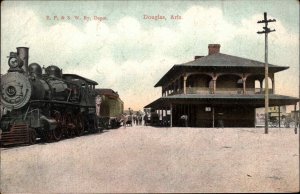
(257, 100)
(219, 62)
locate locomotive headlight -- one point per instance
(13, 62)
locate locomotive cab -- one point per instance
(87, 88)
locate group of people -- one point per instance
(131, 119)
(137, 119)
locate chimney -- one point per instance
(213, 48)
(22, 52)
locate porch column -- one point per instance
(161, 114)
(244, 85)
(296, 117)
(279, 116)
(184, 84)
(178, 85)
(168, 90)
(215, 85)
(174, 87)
(261, 85)
(171, 115)
(213, 117)
(255, 117)
(273, 86)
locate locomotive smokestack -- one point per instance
(23, 53)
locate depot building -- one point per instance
(217, 89)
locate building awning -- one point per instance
(249, 100)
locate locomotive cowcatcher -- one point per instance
(44, 102)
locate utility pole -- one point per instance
(266, 31)
(298, 113)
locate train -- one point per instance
(111, 108)
(42, 102)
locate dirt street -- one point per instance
(148, 159)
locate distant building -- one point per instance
(217, 90)
(277, 113)
(295, 114)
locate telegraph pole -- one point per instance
(266, 31)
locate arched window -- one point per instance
(229, 81)
(199, 80)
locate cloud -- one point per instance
(280, 37)
(129, 28)
(127, 56)
(200, 22)
(97, 29)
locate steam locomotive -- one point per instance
(45, 103)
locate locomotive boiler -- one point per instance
(44, 102)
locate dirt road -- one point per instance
(147, 159)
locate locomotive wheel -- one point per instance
(57, 132)
(93, 125)
(32, 137)
(79, 124)
(65, 125)
(47, 136)
(106, 125)
(68, 125)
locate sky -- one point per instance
(122, 50)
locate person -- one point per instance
(220, 120)
(184, 120)
(146, 122)
(129, 120)
(134, 119)
(124, 119)
(140, 119)
(98, 102)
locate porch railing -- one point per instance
(206, 90)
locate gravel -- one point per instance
(149, 159)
